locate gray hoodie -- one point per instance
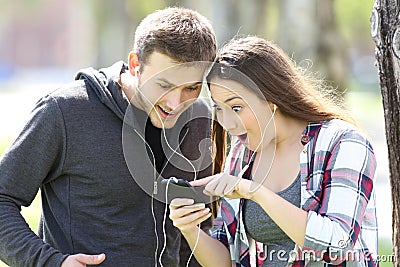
(93, 172)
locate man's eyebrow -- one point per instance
(194, 84)
(173, 85)
(166, 81)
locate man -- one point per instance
(101, 198)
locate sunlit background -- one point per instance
(45, 42)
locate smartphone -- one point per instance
(181, 188)
(177, 181)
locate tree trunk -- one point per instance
(308, 29)
(331, 57)
(231, 18)
(385, 31)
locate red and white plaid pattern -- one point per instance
(337, 175)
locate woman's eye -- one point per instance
(236, 108)
(216, 107)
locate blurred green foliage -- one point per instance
(4, 142)
(353, 20)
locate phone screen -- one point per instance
(181, 188)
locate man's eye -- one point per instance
(164, 85)
(193, 88)
(236, 108)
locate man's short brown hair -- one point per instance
(180, 33)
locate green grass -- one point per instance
(3, 144)
(365, 106)
(385, 252)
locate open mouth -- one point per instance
(242, 138)
(166, 114)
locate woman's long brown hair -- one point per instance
(277, 80)
(219, 150)
(296, 93)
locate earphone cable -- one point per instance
(244, 169)
(152, 195)
(166, 206)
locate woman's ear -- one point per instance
(272, 106)
(133, 63)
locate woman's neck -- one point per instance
(288, 132)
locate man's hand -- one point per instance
(80, 260)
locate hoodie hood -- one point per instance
(104, 83)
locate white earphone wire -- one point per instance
(244, 169)
(152, 198)
(166, 193)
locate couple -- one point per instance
(298, 178)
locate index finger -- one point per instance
(178, 202)
(203, 181)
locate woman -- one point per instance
(298, 191)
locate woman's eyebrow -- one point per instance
(229, 99)
(232, 98)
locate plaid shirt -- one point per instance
(337, 168)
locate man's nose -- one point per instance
(174, 98)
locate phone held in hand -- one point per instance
(181, 188)
(176, 181)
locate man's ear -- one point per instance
(133, 63)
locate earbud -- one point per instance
(275, 107)
(137, 71)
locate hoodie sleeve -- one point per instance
(34, 158)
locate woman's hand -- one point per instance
(81, 260)
(226, 185)
(186, 215)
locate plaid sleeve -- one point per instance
(348, 170)
(219, 231)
